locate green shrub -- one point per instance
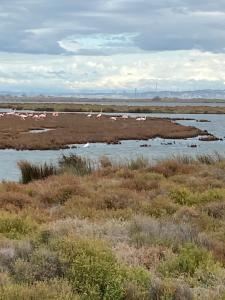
(52, 290)
(159, 207)
(184, 196)
(195, 264)
(30, 172)
(181, 195)
(75, 164)
(15, 227)
(136, 283)
(92, 268)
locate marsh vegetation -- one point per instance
(111, 108)
(130, 231)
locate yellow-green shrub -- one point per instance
(193, 263)
(184, 196)
(49, 290)
(15, 227)
(92, 268)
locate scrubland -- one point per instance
(130, 231)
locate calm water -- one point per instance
(128, 149)
(153, 103)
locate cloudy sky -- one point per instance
(79, 45)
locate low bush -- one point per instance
(92, 268)
(168, 290)
(172, 167)
(105, 162)
(150, 231)
(42, 265)
(49, 290)
(15, 227)
(75, 164)
(215, 210)
(184, 196)
(15, 201)
(138, 163)
(93, 271)
(136, 284)
(30, 172)
(159, 207)
(58, 190)
(141, 182)
(196, 264)
(118, 199)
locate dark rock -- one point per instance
(209, 138)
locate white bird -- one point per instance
(12, 112)
(89, 115)
(36, 117)
(124, 116)
(23, 116)
(113, 118)
(141, 118)
(42, 116)
(86, 145)
(100, 114)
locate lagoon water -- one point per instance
(158, 148)
(149, 103)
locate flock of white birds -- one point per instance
(24, 116)
(115, 118)
(43, 115)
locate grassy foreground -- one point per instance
(134, 231)
(108, 108)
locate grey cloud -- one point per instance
(36, 26)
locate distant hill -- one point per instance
(197, 96)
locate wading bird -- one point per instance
(100, 114)
(86, 145)
(141, 118)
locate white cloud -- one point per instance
(100, 44)
(181, 69)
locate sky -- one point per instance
(111, 45)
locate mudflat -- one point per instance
(77, 128)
